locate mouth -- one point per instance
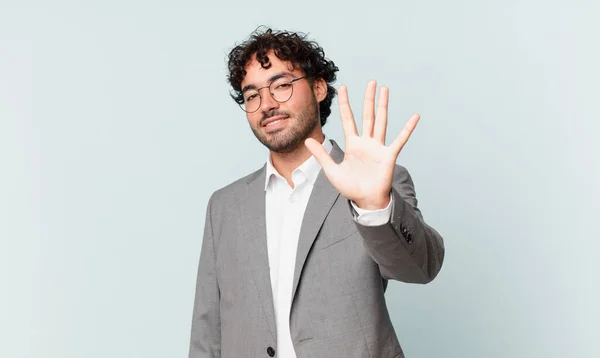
(274, 121)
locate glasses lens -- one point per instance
(281, 89)
(251, 101)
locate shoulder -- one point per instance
(234, 190)
(401, 174)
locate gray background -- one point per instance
(116, 126)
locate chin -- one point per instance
(283, 145)
(290, 137)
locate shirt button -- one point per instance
(271, 352)
(293, 198)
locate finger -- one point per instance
(369, 109)
(382, 115)
(405, 133)
(346, 113)
(316, 148)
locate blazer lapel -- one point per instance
(253, 221)
(321, 200)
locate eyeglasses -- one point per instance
(280, 89)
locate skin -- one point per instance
(286, 140)
(365, 175)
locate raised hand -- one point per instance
(365, 175)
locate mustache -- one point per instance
(273, 114)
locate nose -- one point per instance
(267, 102)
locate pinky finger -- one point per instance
(405, 133)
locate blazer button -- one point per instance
(271, 352)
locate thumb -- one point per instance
(320, 154)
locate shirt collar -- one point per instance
(310, 168)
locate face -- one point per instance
(283, 127)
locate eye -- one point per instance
(251, 97)
(283, 86)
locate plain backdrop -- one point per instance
(116, 126)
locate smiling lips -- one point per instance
(274, 121)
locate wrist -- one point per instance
(373, 204)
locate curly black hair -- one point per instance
(287, 46)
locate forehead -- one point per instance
(256, 74)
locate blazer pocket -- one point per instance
(334, 240)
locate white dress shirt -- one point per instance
(284, 212)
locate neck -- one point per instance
(286, 163)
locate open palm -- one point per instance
(365, 175)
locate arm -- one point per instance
(205, 339)
(404, 246)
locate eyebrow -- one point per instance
(271, 79)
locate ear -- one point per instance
(320, 89)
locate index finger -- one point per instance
(346, 113)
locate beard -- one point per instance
(286, 140)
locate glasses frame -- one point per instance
(242, 105)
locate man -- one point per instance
(296, 256)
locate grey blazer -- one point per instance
(338, 305)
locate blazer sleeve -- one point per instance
(205, 341)
(405, 248)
